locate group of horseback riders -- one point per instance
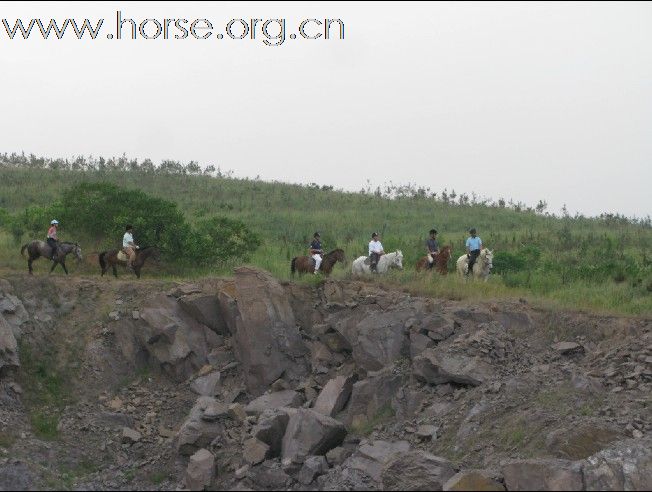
(376, 251)
(129, 247)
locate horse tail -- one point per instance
(22, 250)
(293, 266)
(102, 259)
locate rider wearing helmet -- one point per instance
(473, 247)
(52, 238)
(316, 251)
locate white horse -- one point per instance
(390, 260)
(481, 268)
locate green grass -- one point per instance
(366, 427)
(602, 264)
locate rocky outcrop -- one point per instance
(334, 396)
(267, 341)
(201, 470)
(199, 428)
(275, 400)
(166, 335)
(479, 480)
(205, 308)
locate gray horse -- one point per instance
(36, 249)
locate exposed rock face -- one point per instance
(201, 470)
(167, 335)
(378, 339)
(625, 466)
(8, 348)
(438, 367)
(310, 433)
(543, 474)
(205, 308)
(267, 341)
(334, 396)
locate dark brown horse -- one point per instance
(110, 259)
(441, 261)
(305, 264)
(36, 249)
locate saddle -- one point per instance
(122, 256)
(367, 261)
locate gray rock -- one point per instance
(270, 429)
(439, 367)
(267, 341)
(215, 410)
(626, 465)
(375, 395)
(473, 480)
(278, 399)
(9, 360)
(130, 436)
(310, 433)
(416, 470)
(427, 432)
(312, 467)
(196, 432)
(566, 348)
(334, 396)
(208, 385)
(419, 343)
(543, 474)
(201, 470)
(205, 308)
(338, 455)
(255, 451)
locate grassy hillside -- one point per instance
(603, 263)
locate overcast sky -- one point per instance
(525, 101)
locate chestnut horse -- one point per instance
(305, 264)
(441, 261)
(110, 259)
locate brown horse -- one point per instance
(441, 261)
(305, 264)
(110, 259)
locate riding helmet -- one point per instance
(54, 222)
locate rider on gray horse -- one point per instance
(52, 239)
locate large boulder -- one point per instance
(378, 338)
(205, 308)
(543, 474)
(200, 471)
(626, 465)
(374, 396)
(270, 429)
(166, 335)
(310, 433)
(200, 427)
(8, 348)
(334, 396)
(267, 340)
(436, 366)
(416, 470)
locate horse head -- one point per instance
(488, 257)
(77, 252)
(339, 255)
(398, 259)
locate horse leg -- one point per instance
(137, 272)
(29, 266)
(63, 264)
(54, 264)
(115, 271)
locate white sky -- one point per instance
(530, 101)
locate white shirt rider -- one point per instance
(375, 247)
(128, 240)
